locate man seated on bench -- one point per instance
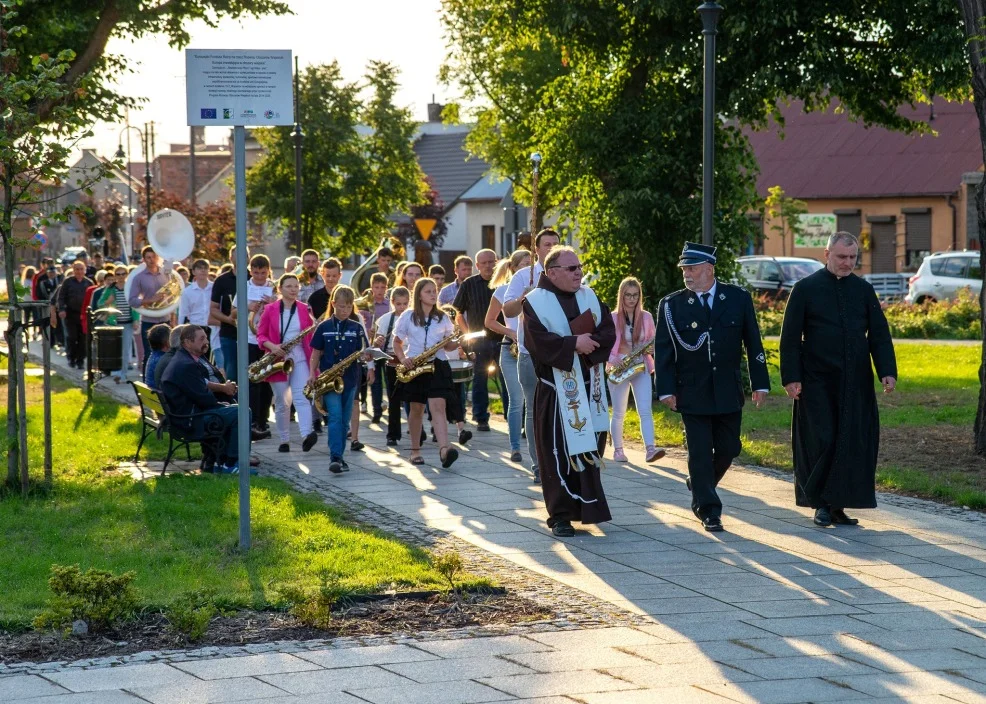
(184, 386)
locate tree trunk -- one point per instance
(973, 12)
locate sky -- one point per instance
(406, 33)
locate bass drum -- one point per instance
(461, 370)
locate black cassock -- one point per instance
(832, 328)
(568, 495)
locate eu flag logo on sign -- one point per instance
(208, 114)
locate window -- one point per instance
(937, 265)
(975, 270)
(955, 266)
(489, 237)
(771, 272)
(749, 270)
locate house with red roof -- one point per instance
(903, 195)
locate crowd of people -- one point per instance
(565, 362)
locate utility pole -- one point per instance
(298, 137)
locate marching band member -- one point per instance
(419, 328)
(308, 279)
(318, 301)
(281, 322)
(505, 270)
(634, 326)
(384, 339)
(260, 292)
(456, 412)
(335, 338)
(381, 307)
(409, 275)
(365, 380)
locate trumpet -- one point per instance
(631, 365)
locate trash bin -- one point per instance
(107, 348)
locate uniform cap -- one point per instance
(693, 253)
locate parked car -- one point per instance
(69, 255)
(943, 274)
(775, 276)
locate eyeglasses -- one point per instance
(631, 295)
(570, 269)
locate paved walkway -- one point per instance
(773, 610)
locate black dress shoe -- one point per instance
(483, 427)
(840, 518)
(391, 442)
(375, 419)
(464, 436)
(712, 524)
(284, 447)
(256, 434)
(563, 529)
(309, 442)
(823, 517)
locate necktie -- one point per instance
(705, 302)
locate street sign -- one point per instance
(238, 87)
(425, 226)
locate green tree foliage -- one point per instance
(785, 214)
(610, 93)
(359, 166)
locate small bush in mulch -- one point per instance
(395, 615)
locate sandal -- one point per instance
(451, 455)
(416, 459)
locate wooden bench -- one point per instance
(156, 418)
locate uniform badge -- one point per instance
(761, 358)
(690, 301)
(722, 296)
(694, 324)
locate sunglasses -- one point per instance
(570, 269)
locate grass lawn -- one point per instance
(926, 425)
(179, 533)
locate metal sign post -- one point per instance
(240, 88)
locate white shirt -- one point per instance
(416, 339)
(515, 289)
(194, 306)
(498, 293)
(254, 293)
(297, 353)
(380, 328)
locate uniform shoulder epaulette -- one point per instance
(674, 293)
(726, 284)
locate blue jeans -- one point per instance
(339, 408)
(217, 358)
(528, 382)
(228, 416)
(227, 346)
(146, 325)
(515, 407)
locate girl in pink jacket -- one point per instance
(634, 326)
(281, 321)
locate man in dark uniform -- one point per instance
(833, 327)
(701, 332)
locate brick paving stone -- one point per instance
(348, 679)
(368, 655)
(466, 692)
(121, 678)
(573, 683)
(226, 690)
(678, 695)
(458, 669)
(485, 647)
(83, 698)
(25, 686)
(583, 658)
(267, 664)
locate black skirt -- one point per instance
(438, 384)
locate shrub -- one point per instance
(958, 319)
(98, 597)
(189, 616)
(314, 607)
(448, 565)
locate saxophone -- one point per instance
(631, 365)
(329, 381)
(269, 364)
(421, 364)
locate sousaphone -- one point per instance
(172, 238)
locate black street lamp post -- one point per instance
(710, 18)
(298, 136)
(120, 154)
